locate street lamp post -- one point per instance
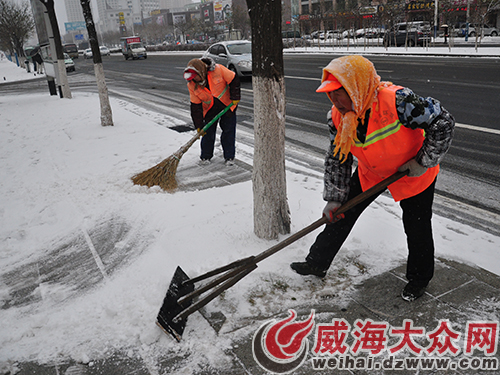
(132, 17)
(467, 21)
(435, 19)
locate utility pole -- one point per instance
(467, 21)
(64, 89)
(435, 20)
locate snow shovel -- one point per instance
(182, 297)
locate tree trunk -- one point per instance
(271, 212)
(106, 113)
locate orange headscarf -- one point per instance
(361, 81)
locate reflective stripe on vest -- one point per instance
(380, 134)
(223, 92)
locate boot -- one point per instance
(412, 291)
(304, 268)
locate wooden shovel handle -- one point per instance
(342, 209)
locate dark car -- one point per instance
(71, 49)
(408, 33)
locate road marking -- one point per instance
(305, 78)
(148, 76)
(478, 128)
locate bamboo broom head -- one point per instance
(162, 174)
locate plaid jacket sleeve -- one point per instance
(416, 112)
(337, 175)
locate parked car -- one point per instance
(70, 64)
(370, 32)
(349, 33)
(333, 34)
(315, 34)
(485, 30)
(233, 54)
(104, 51)
(408, 33)
(329, 34)
(290, 34)
(87, 54)
(359, 33)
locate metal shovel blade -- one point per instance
(171, 308)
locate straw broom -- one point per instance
(163, 174)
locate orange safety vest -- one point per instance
(218, 81)
(388, 145)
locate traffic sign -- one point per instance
(72, 26)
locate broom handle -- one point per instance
(199, 134)
(205, 128)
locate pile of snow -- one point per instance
(87, 256)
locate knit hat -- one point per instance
(358, 77)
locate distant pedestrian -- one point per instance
(37, 59)
(387, 128)
(212, 87)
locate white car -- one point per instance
(235, 55)
(369, 32)
(69, 63)
(348, 34)
(104, 51)
(87, 54)
(486, 30)
(333, 34)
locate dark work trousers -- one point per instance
(417, 213)
(227, 138)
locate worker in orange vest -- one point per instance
(388, 128)
(212, 87)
